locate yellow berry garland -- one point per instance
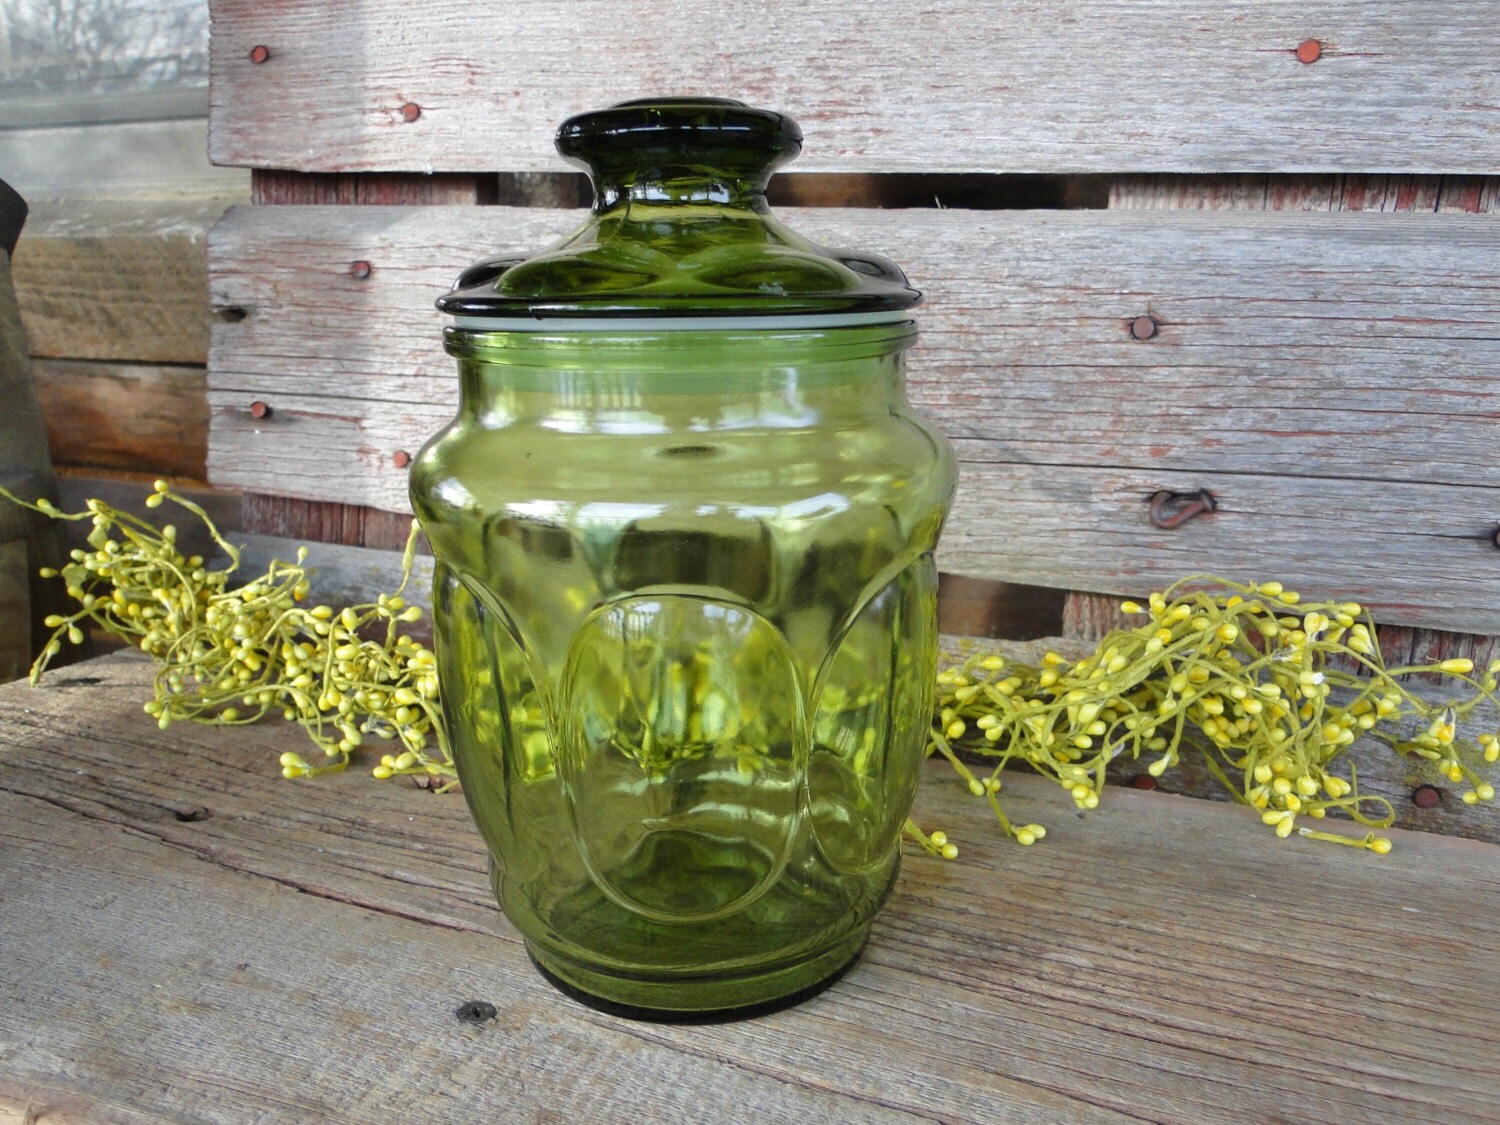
(1272, 691)
(235, 655)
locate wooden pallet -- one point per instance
(1267, 331)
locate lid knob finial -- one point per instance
(663, 141)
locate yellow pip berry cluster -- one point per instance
(1273, 692)
(1270, 690)
(234, 655)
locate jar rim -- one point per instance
(617, 325)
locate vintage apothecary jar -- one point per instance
(685, 597)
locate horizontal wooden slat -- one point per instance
(275, 186)
(908, 85)
(150, 418)
(1471, 194)
(1329, 376)
(1416, 554)
(111, 280)
(325, 521)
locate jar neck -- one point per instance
(745, 193)
(673, 380)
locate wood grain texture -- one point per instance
(978, 607)
(189, 937)
(953, 86)
(1089, 615)
(1318, 372)
(1470, 194)
(149, 418)
(124, 281)
(272, 185)
(323, 521)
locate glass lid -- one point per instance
(680, 234)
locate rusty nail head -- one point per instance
(1309, 51)
(1143, 781)
(260, 409)
(360, 269)
(401, 458)
(1427, 796)
(259, 54)
(411, 111)
(1143, 327)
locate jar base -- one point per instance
(700, 1001)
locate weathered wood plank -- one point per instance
(1415, 554)
(961, 85)
(149, 418)
(978, 607)
(110, 280)
(1318, 371)
(1089, 615)
(189, 936)
(273, 185)
(1470, 194)
(325, 521)
(1280, 339)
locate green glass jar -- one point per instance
(685, 598)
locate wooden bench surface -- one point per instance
(185, 936)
